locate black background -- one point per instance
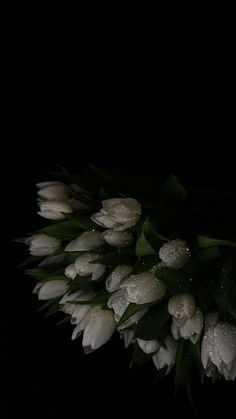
(151, 91)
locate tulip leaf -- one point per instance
(114, 258)
(83, 221)
(100, 299)
(204, 241)
(64, 230)
(46, 275)
(154, 324)
(31, 259)
(172, 193)
(144, 264)
(143, 247)
(139, 357)
(133, 309)
(84, 283)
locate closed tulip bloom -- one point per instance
(52, 261)
(165, 356)
(115, 279)
(66, 302)
(182, 306)
(118, 213)
(77, 205)
(190, 328)
(86, 241)
(99, 330)
(70, 271)
(219, 350)
(52, 191)
(148, 346)
(118, 303)
(143, 288)
(211, 319)
(84, 268)
(174, 254)
(42, 245)
(54, 210)
(84, 313)
(51, 289)
(118, 238)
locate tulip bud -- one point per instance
(70, 271)
(118, 303)
(148, 346)
(174, 254)
(118, 238)
(118, 213)
(54, 210)
(165, 356)
(66, 302)
(52, 191)
(42, 244)
(182, 306)
(219, 350)
(99, 330)
(51, 289)
(86, 241)
(190, 328)
(84, 314)
(84, 268)
(117, 276)
(143, 288)
(211, 319)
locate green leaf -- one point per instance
(154, 324)
(172, 192)
(139, 357)
(30, 260)
(45, 275)
(100, 299)
(65, 230)
(143, 247)
(83, 221)
(209, 253)
(84, 283)
(144, 264)
(114, 258)
(225, 295)
(72, 256)
(131, 310)
(204, 241)
(65, 319)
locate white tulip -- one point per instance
(42, 244)
(70, 271)
(128, 336)
(148, 346)
(134, 319)
(118, 303)
(84, 313)
(52, 191)
(182, 306)
(84, 268)
(117, 276)
(219, 350)
(118, 213)
(54, 210)
(174, 254)
(165, 356)
(66, 302)
(99, 330)
(190, 328)
(143, 288)
(51, 289)
(86, 241)
(118, 238)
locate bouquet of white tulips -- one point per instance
(144, 257)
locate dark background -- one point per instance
(151, 91)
